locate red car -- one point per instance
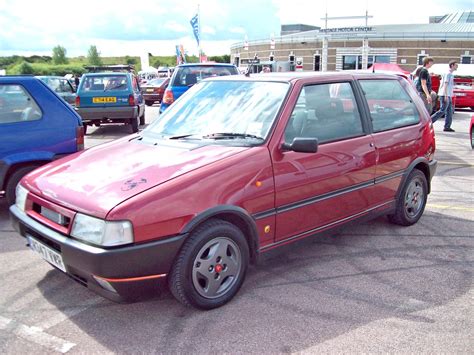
(153, 90)
(237, 167)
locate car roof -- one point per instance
(51, 77)
(206, 65)
(297, 76)
(107, 74)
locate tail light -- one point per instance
(131, 100)
(78, 101)
(168, 97)
(80, 137)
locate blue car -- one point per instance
(186, 75)
(36, 127)
(112, 97)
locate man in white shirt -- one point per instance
(445, 94)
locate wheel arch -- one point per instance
(235, 215)
(421, 164)
(6, 170)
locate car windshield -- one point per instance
(223, 109)
(190, 75)
(104, 83)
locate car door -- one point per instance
(397, 133)
(317, 190)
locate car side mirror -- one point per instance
(301, 145)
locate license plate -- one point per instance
(149, 90)
(103, 100)
(48, 254)
(459, 94)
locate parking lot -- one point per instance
(370, 287)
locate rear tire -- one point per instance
(149, 103)
(14, 179)
(412, 201)
(211, 266)
(134, 124)
(84, 126)
(472, 137)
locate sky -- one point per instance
(118, 27)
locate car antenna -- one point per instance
(251, 62)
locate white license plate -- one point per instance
(48, 254)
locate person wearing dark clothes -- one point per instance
(424, 85)
(76, 81)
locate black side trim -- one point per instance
(389, 176)
(326, 226)
(233, 211)
(326, 196)
(264, 214)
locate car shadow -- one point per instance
(312, 291)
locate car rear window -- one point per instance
(187, 76)
(156, 81)
(104, 83)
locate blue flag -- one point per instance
(195, 23)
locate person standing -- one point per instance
(445, 94)
(424, 85)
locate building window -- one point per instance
(420, 58)
(291, 59)
(317, 62)
(237, 61)
(466, 59)
(349, 62)
(271, 58)
(382, 59)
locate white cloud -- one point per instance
(176, 27)
(208, 30)
(239, 30)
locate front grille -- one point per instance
(52, 216)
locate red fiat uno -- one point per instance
(236, 167)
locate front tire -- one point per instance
(412, 201)
(211, 266)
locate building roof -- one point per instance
(457, 17)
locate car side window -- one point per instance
(16, 105)
(390, 105)
(327, 112)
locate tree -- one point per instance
(59, 55)
(93, 56)
(25, 68)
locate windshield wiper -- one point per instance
(182, 136)
(231, 135)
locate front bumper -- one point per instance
(131, 270)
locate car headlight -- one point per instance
(20, 194)
(101, 232)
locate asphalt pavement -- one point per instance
(368, 288)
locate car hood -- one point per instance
(96, 180)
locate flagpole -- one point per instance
(199, 35)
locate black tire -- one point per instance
(85, 128)
(412, 201)
(14, 179)
(211, 266)
(142, 118)
(472, 137)
(134, 124)
(149, 103)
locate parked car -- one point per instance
(186, 75)
(36, 127)
(61, 86)
(153, 90)
(235, 168)
(112, 97)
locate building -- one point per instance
(444, 38)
